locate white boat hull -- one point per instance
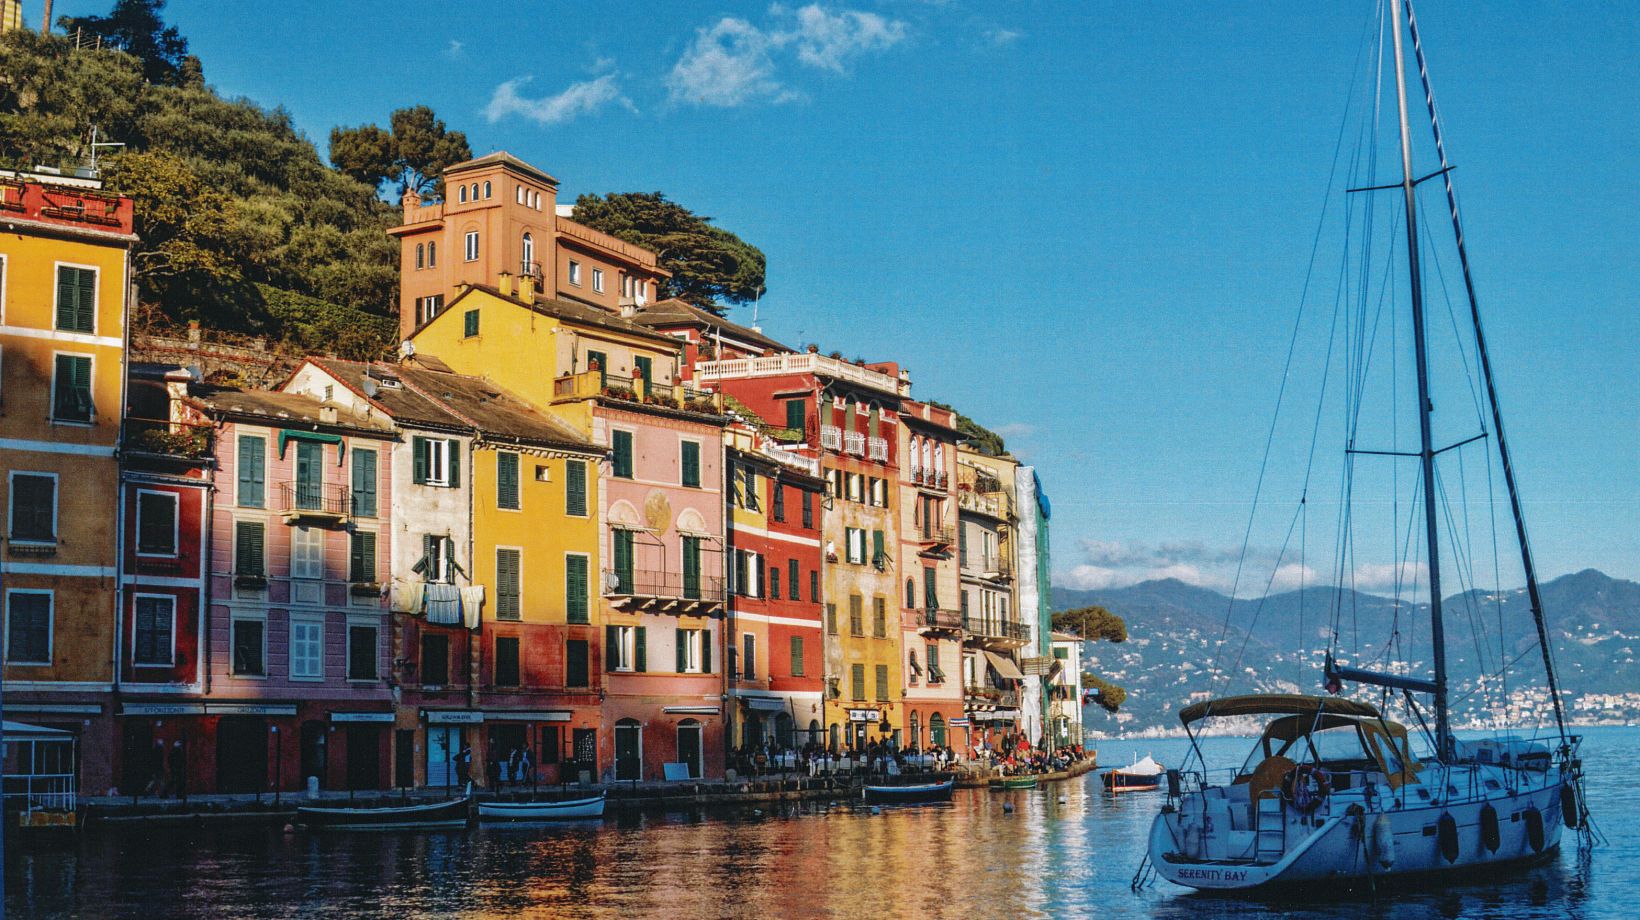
(542, 811)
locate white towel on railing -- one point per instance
(472, 602)
(443, 604)
(407, 596)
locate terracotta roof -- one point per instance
(460, 401)
(570, 311)
(504, 158)
(676, 312)
(282, 409)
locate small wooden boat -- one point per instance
(1141, 775)
(910, 795)
(1014, 782)
(451, 813)
(592, 807)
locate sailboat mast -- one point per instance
(1443, 730)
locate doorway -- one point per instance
(689, 747)
(137, 768)
(241, 754)
(364, 757)
(443, 743)
(404, 757)
(628, 750)
(315, 752)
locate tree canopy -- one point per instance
(1091, 623)
(711, 267)
(135, 27)
(413, 151)
(1108, 695)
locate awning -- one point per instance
(761, 704)
(527, 715)
(385, 717)
(1005, 666)
(21, 731)
(1266, 704)
(690, 710)
(286, 435)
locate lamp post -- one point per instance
(278, 765)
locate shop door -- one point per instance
(628, 749)
(364, 757)
(137, 767)
(404, 757)
(689, 747)
(315, 752)
(504, 739)
(443, 743)
(241, 754)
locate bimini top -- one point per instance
(1260, 704)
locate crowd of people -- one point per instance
(1011, 755)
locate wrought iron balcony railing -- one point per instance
(315, 500)
(992, 628)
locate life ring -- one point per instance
(1306, 786)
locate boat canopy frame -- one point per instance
(1274, 704)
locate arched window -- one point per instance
(785, 731)
(814, 731)
(462, 194)
(916, 732)
(420, 255)
(518, 194)
(936, 730)
(916, 464)
(535, 200)
(529, 253)
(432, 255)
(486, 190)
(835, 742)
(928, 456)
(939, 458)
(910, 594)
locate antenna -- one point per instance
(96, 144)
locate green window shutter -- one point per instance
(882, 682)
(796, 414)
(879, 556)
(621, 441)
(773, 580)
(575, 664)
(418, 449)
(871, 423)
(612, 651)
(793, 587)
(76, 299)
(359, 570)
(248, 539)
(506, 480)
(364, 483)
(575, 589)
(808, 508)
(309, 474)
(705, 651)
(623, 559)
(683, 649)
(252, 456)
(691, 567)
(814, 586)
(797, 656)
(640, 661)
(470, 323)
(455, 463)
(645, 368)
(603, 367)
(931, 598)
(575, 488)
(72, 399)
(857, 682)
(507, 566)
(691, 463)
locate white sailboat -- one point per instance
(1333, 794)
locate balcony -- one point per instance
(934, 620)
(165, 438)
(793, 364)
(831, 437)
(930, 479)
(854, 443)
(992, 568)
(973, 696)
(991, 504)
(877, 449)
(596, 384)
(529, 268)
(936, 541)
(653, 591)
(1002, 632)
(327, 503)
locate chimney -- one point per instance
(526, 288)
(410, 202)
(505, 283)
(327, 414)
(176, 389)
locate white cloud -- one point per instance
(582, 98)
(1015, 429)
(1000, 37)
(1385, 576)
(453, 50)
(734, 62)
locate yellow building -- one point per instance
(64, 278)
(11, 15)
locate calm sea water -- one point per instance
(1065, 850)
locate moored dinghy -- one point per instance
(451, 813)
(1138, 776)
(568, 809)
(918, 794)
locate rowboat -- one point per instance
(1139, 776)
(910, 795)
(1014, 782)
(451, 813)
(592, 807)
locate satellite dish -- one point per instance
(407, 348)
(370, 387)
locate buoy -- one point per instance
(1490, 835)
(1007, 807)
(290, 828)
(1570, 812)
(876, 809)
(1063, 799)
(1383, 841)
(1446, 835)
(1534, 829)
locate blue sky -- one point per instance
(1087, 225)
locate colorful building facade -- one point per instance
(930, 620)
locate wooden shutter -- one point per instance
(705, 651)
(691, 463)
(76, 299)
(248, 552)
(878, 554)
(683, 649)
(612, 651)
(252, 456)
(575, 488)
(453, 455)
(507, 583)
(882, 682)
(621, 441)
(640, 643)
(857, 681)
(796, 410)
(364, 483)
(797, 656)
(418, 450)
(691, 567)
(506, 480)
(362, 558)
(794, 590)
(575, 664)
(575, 589)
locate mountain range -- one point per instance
(1185, 639)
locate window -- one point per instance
(575, 488)
(506, 481)
(882, 682)
(363, 503)
(797, 411)
(155, 617)
(576, 672)
(76, 299)
(428, 307)
(748, 573)
(421, 256)
(598, 361)
(71, 389)
(574, 273)
(624, 649)
(34, 507)
(469, 323)
(774, 582)
(646, 370)
(623, 560)
(361, 652)
(437, 461)
(748, 655)
(527, 247)
(309, 474)
(691, 567)
(471, 244)
(486, 190)
(808, 510)
(831, 619)
(598, 280)
(793, 588)
(361, 557)
(252, 461)
(814, 586)
(575, 590)
(506, 661)
(307, 650)
(857, 682)
(437, 559)
(935, 673)
(1062, 653)
(962, 545)
(621, 441)
(777, 499)
(694, 652)
(248, 538)
(28, 627)
(691, 463)
(248, 648)
(879, 551)
(508, 563)
(931, 597)
(797, 656)
(856, 615)
(518, 194)
(461, 194)
(307, 552)
(432, 261)
(910, 593)
(879, 618)
(435, 659)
